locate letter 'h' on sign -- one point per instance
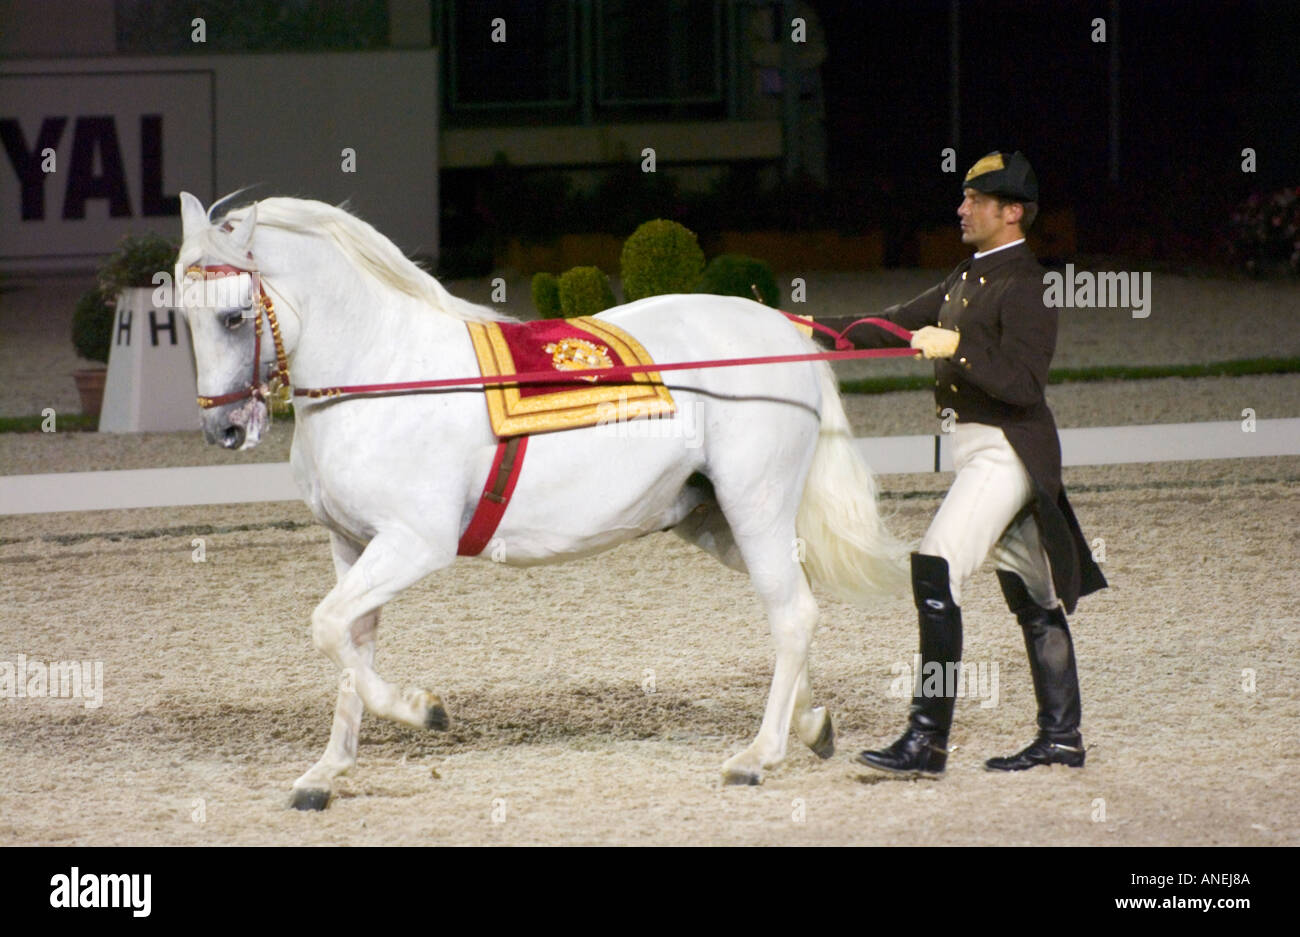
(151, 375)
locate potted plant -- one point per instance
(92, 331)
(134, 263)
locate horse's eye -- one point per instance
(233, 320)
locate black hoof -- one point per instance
(437, 719)
(824, 747)
(741, 779)
(309, 798)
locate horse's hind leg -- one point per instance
(707, 528)
(344, 627)
(792, 614)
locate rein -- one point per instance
(845, 352)
(278, 384)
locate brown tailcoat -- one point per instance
(997, 376)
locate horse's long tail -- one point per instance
(848, 550)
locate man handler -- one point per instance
(992, 339)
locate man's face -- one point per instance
(984, 223)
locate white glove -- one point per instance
(934, 342)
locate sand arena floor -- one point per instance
(214, 699)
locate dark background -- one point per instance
(1198, 82)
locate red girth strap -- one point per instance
(503, 475)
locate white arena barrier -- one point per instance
(263, 481)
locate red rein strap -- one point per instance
(842, 343)
(552, 377)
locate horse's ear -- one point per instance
(193, 217)
(242, 236)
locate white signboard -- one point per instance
(97, 148)
(91, 157)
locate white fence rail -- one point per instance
(263, 481)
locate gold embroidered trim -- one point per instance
(572, 408)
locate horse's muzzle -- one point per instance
(232, 437)
(240, 427)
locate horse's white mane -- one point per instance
(360, 243)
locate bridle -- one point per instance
(277, 386)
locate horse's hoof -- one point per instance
(742, 778)
(436, 718)
(309, 798)
(824, 747)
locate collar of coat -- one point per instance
(989, 262)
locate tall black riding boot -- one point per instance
(923, 749)
(1056, 682)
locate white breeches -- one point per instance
(990, 489)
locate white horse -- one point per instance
(769, 482)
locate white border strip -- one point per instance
(272, 481)
(147, 488)
(1106, 445)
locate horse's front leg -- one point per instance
(312, 790)
(344, 627)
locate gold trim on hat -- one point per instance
(991, 163)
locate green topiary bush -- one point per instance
(660, 257)
(546, 295)
(92, 325)
(135, 261)
(584, 291)
(735, 274)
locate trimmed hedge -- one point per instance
(546, 295)
(660, 257)
(584, 291)
(736, 275)
(135, 261)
